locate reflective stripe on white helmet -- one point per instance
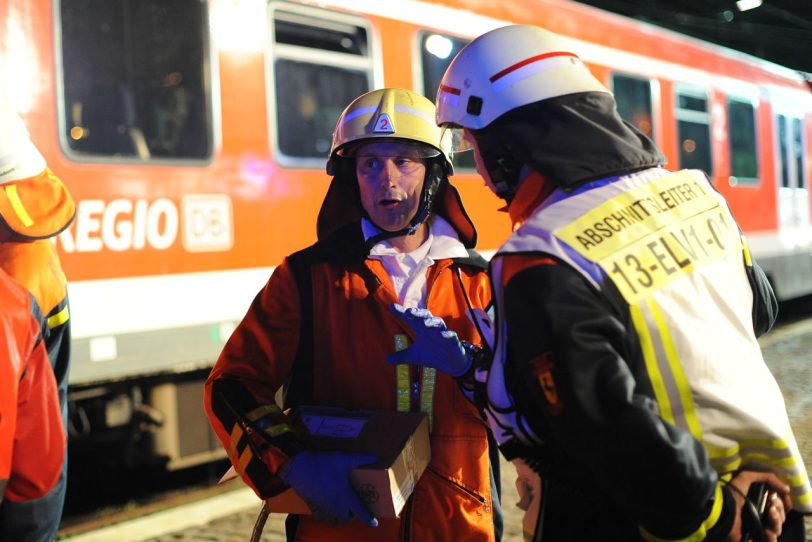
(507, 68)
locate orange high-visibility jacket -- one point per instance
(353, 331)
(32, 437)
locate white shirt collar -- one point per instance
(442, 242)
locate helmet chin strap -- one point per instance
(505, 176)
(504, 170)
(384, 235)
(435, 175)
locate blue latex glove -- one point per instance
(434, 344)
(322, 480)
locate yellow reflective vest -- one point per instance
(669, 244)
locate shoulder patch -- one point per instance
(542, 367)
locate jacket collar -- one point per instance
(531, 193)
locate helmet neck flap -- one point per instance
(569, 139)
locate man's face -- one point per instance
(390, 179)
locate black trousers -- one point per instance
(794, 528)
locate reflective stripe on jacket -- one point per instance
(353, 332)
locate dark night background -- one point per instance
(779, 30)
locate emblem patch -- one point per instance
(542, 367)
(384, 125)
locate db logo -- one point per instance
(204, 222)
(368, 493)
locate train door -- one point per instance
(792, 195)
(791, 168)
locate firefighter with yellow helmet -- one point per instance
(391, 229)
(625, 370)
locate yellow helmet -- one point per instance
(388, 113)
(407, 116)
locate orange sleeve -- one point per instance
(9, 381)
(32, 435)
(36, 265)
(39, 441)
(15, 339)
(242, 386)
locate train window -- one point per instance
(783, 145)
(633, 97)
(293, 29)
(321, 62)
(791, 158)
(436, 53)
(693, 129)
(742, 137)
(798, 153)
(134, 79)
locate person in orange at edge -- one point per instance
(35, 206)
(391, 229)
(32, 435)
(625, 369)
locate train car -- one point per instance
(193, 136)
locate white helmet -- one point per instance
(507, 68)
(19, 158)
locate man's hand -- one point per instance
(779, 502)
(434, 346)
(322, 480)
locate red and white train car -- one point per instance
(193, 136)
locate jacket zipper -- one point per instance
(406, 521)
